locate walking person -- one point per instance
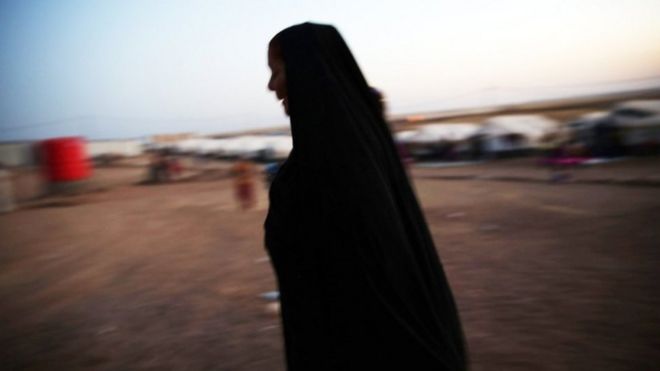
(361, 284)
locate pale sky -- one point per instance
(129, 68)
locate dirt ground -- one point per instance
(168, 277)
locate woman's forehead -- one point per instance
(274, 56)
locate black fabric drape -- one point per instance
(361, 285)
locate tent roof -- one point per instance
(641, 105)
(440, 132)
(532, 126)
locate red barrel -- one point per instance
(64, 159)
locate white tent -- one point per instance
(246, 145)
(515, 132)
(532, 127)
(211, 147)
(648, 106)
(188, 145)
(587, 120)
(270, 147)
(403, 136)
(639, 121)
(435, 133)
(582, 127)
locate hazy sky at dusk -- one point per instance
(110, 69)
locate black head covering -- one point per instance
(361, 285)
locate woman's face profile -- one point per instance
(277, 82)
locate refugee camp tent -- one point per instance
(243, 146)
(211, 147)
(259, 147)
(403, 136)
(638, 122)
(434, 133)
(586, 121)
(189, 145)
(438, 141)
(641, 108)
(581, 129)
(631, 127)
(514, 133)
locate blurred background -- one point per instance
(138, 140)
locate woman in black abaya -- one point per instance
(361, 285)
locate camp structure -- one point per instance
(511, 135)
(446, 141)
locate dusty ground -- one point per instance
(547, 276)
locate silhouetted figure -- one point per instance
(361, 285)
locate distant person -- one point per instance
(361, 285)
(244, 173)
